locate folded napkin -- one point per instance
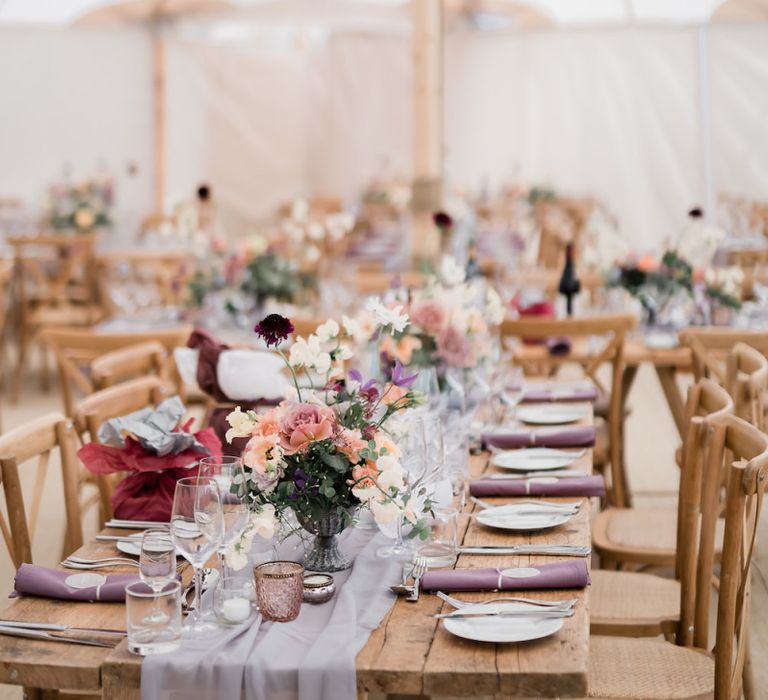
(566, 574)
(581, 436)
(540, 486)
(563, 395)
(50, 583)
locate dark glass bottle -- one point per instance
(570, 285)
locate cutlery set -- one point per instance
(58, 633)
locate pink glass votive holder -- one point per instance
(279, 589)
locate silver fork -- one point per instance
(98, 560)
(556, 604)
(419, 569)
(103, 565)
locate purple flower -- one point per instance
(356, 376)
(398, 376)
(274, 329)
(300, 479)
(442, 220)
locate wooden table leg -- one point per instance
(667, 377)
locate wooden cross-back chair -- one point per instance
(112, 402)
(76, 351)
(54, 285)
(640, 537)
(36, 442)
(736, 360)
(596, 341)
(658, 670)
(630, 603)
(6, 274)
(163, 275)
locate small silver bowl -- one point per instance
(318, 588)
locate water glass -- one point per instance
(234, 600)
(279, 590)
(441, 546)
(153, 618)
(157, 560)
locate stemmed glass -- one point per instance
(413, 448)
(227, 472)
(511, 394)
(197, 528)
(157, 565)
(426, 382)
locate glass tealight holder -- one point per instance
(234, 600)
(153, 618)
(279, 589)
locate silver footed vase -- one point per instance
(324, 554)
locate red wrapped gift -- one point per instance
(147, 492)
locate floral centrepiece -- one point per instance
(81, 207)
(326, 452)
(449, 322)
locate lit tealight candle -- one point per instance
(236, 609)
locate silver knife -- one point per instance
(555, 550)
(530, 612)
(555, 473)
(50, 627)
(51, 637)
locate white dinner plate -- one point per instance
(510, 517)
(134, 548)
(659, 340)
(531, 460)
(502, 629)
(550, 415)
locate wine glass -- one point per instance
(227, 472)
(426, 382)
(157, 564)
(511, 394)
(197, 528)
(432, 426)
(413, 450)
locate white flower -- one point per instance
(236, 557)
(294, 232)
(494, 307)
(328, 330)
(384, 511)
(263, 522)
(301, 353)
(390, 472)
(338, 225)
(241, 425)
(312, 253)
(451, 273)
(300, 210)
(360, 328)
(315, 231)
(322, 363)
(393, 318)
(344, 352)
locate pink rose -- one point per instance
(454, 348)
(349, 443)
(304, 423)
(429, 315)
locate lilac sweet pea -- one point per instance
(399, 378)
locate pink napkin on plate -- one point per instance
(540, 486)
(51, 583)
(580, 436)
(565, 574)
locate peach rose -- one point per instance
(268, 423)
(262, 455)
(392, 394)
(383, 442)
(304, 423)
(647, 263)
(401, 349)
(349, 443)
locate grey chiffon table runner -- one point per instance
(311, 658)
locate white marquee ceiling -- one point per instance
(560, 12)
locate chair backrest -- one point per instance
(735, 359)
(54, 270)
(35, 442)
(610, 331)
(75, 350)
(702, 458)
(112, 402)
(738, 451)
(139, 360)
(746, 482)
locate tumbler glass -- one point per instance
(441, 546)
(153, 618)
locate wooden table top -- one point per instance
(410, 653)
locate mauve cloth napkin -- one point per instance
(582, 436)
(560, 395)
(50, 583)
(558, 346)
(540, 486)
(566, 574)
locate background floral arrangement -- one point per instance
(83, 207)
(327, 447)
(450, 322)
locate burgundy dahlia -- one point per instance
(442, 220)
(274, 329)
